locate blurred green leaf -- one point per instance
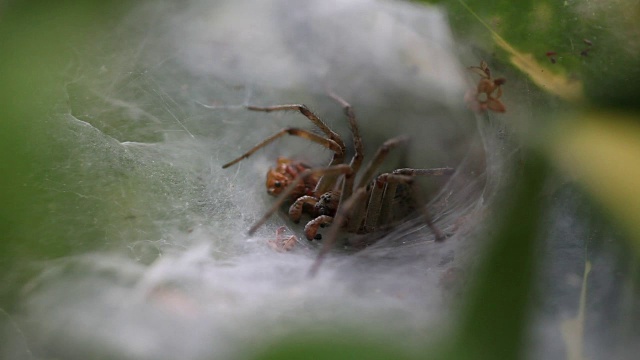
(330, 347)
(601, 150)
(37, 41)
(593, 45)
(494, 321)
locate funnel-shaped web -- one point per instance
(156, 108)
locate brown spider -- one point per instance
(486, 96)
(330, 195)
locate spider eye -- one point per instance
(277, 184)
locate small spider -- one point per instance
(486, 96)
(330, 194)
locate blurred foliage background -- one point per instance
(587, 54)
(578, 61)
(37, 42)
(583, 59)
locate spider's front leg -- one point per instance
(339, 221)
(323, 210)
(297, 208)
(312, 227)
(327, 204)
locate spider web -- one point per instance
(165, 268)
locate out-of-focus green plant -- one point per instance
(601, 150)
(37, 43)
(495, 319)
(586, 55)
(593, 46)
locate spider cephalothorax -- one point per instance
(330, 194)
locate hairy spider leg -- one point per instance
(384, 192)
(304, 110)
(335, 170)
(351, 206)
(379, 158)
(305, 134)
(417, 193)
(338, 222)
(295, 210)
(356, 161)
(422, 205)
(391, 187)
(425, 172)
(383, 187)
(325, 183)
(370, 169)
(376, 210)
(311, 228)
(368, 175)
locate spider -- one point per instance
(488, 92)
(330, 194)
